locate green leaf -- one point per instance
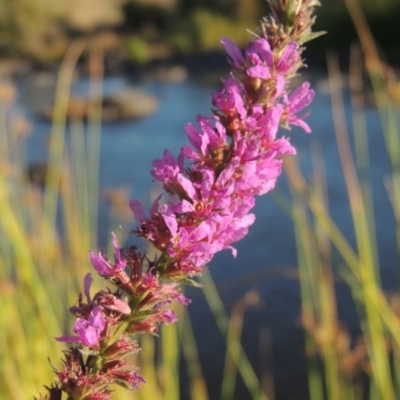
(311, 36)
(190, 282)
(124, 384)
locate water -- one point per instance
(268, 253)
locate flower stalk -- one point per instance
(210, 189)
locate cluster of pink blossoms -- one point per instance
(210, 188)
(234, 155)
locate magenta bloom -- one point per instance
(298, 99)
(169, 317)
(88, 331)
(233, 51)
(167, 169)
(101, 263)
(211, 138)
(261, 58)
(229, 98)
(289, 58)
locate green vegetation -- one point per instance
(326, 255)
(138, 50)
(42, 29)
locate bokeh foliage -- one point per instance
(42, 28)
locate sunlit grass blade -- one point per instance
(232, 357)
(198, 387)
(147, 364)
(244, 367)
(96, 72)
(168, 367)
(368, 271)
(384, 81)
(57, 137)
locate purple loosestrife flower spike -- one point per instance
(209, 192)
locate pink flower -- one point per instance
(101, 263)
(233, 51)
(259, 51)
(229, 99)
(113, 303)
(131, 379)
(153, 228)
(88, 331)
(298, 99)
(260, 58)
(289, 58)
(210, 139)
(167, 169)
(169, 317)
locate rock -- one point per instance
(125, 105)
(36, 173)
(174, 74)
(39, 91)
(77, 108)
(128, 104)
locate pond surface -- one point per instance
(267, 256)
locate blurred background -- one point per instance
(144, 30)
(93, 90)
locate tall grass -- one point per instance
(42, 265)
(339, 366)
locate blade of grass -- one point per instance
(96, 71)
(368, 273)
(57, 137)
(198, 388)
(233, 356)
(244, 367)
(168, 368)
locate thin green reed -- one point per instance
(57, 137)
(372, 327)
(383, 81)
(306, 260)
(168, 366)
(198, 387)
(360, 270)
(77, 200)
(23, 282)
(96, 70)
(244, 367)
(41, 266)
(360, 135)
(232, 357)
(349, 256)
(83, 166)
